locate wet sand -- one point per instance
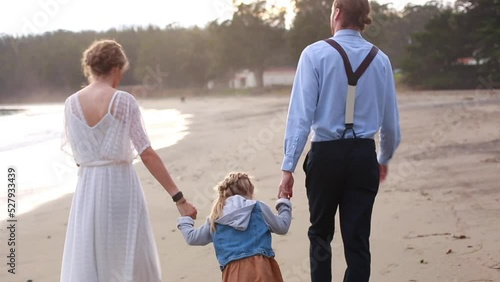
(437, 218)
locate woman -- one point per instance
(109, 236)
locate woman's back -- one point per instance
(95, 101)
(101, 132)
(109, 236)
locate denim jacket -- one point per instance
(243, 230)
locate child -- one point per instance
(240, 229)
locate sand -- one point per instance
(437, 218)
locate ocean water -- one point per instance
(30, 142)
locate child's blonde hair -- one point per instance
(236, 183)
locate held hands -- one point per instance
(286, 185)
(185, 208)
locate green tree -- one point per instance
(390, 29)
(439, 57)
(253, 39)
(433, 57)
(311, 23)
(183, 53)
(385, 31)
(483, 19)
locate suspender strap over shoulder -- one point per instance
(352, 80)
(353, 76)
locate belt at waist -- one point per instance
(104, 163)
(339, 143)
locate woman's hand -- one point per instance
(186, 208)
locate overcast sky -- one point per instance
(38, 16)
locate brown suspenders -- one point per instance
(352, 80)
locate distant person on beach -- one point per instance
(240, 229)
(109, 235)
(344, 91)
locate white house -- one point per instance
(280, 76)
(470, 61)
(243, 79)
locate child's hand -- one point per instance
(187, 209)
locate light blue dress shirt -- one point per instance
(319, 93)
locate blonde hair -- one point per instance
(101, 57)
(236, 183)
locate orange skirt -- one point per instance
(252, 269)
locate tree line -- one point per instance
(459, 48)
(428, 43)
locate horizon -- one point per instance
(25, 18)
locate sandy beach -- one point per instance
(436, 219)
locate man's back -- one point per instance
(320, 90)
(342, 170)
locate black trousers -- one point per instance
(341, 174)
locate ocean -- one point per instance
(30, 142)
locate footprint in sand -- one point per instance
(389, 268)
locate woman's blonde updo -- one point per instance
(101, 57)
(355, 13)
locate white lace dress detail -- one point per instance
(109, 236)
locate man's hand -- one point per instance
(186, 209)
(286, 185)
(384, 170)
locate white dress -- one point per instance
(109, 236)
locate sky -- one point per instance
(38, 16)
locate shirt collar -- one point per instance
(347, 32)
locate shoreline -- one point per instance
(223, 93)
(442, 183)
(32, 144)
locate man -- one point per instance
(344, 91)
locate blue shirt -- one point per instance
(319, 93)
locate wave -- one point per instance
(31, 139)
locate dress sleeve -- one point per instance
(65, 136)
(138, 134)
